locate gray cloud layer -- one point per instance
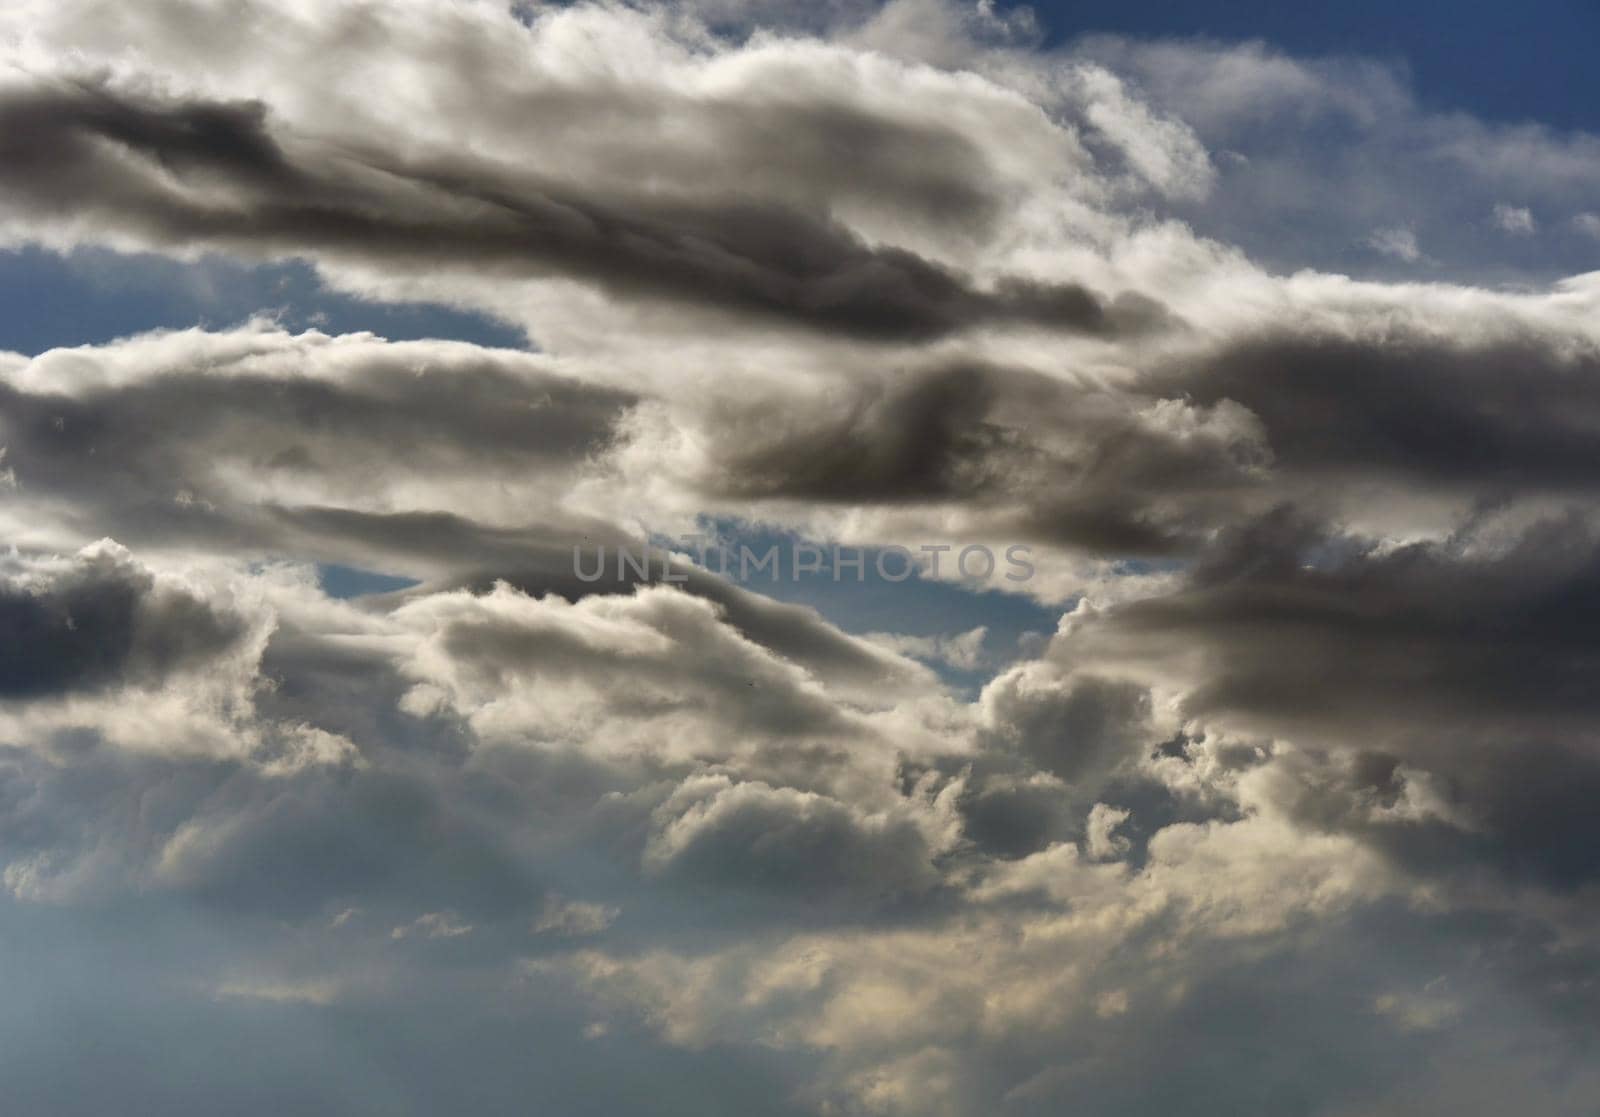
(1290, 814)
(186, 174)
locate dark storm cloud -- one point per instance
(1521, 805)
(207, 174)
(1315, 626)
(1111, 471)
(809, 152)
(1006, 816)
(1467, 660)
(104, 621)
(1506, 413)
(927, 438)
(1052, 750)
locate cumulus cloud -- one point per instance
(100, 621)
(1291, 812)
(802, 844)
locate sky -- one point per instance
(1152, 672)
(1511, 63)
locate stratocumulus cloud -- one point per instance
(336, 775)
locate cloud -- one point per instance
(307, 992)
(658, 667)
(804, 846)
(1413, 663)
(1312, 154)
(1417, 407)
(1516, 220)
(1075, 728)
(169, 434)
(1291, 813)
(1104, 844)
(433, 925)
(102, 621)
(963, 651)
(574, 918)
(1112, 471)
(208, 174)
(1398, 241)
